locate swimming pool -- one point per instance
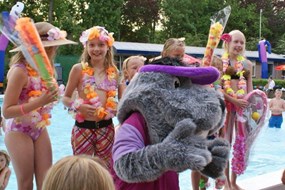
(267, 153)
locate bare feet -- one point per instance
(227, 187)
(220, 182)
(236, 187)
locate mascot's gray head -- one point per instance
(167, 91)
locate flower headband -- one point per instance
(97, 32)
(56, 34)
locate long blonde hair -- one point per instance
(78, 173)
(19, 57)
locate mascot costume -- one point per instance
(166, 114)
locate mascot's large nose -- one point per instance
(223, 105)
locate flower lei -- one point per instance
(97, 32)
(40, 117)
(227, 78)
(238, 160)
(102, 112)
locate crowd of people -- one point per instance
(28, 102)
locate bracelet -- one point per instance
(22, 109)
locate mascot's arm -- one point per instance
(181, 150)
(220, 150)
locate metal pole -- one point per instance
(260, 24)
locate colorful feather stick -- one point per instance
(25, 35)
(31, 41)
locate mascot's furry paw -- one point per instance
(220, 150)
(184, 149)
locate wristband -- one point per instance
(22, 109)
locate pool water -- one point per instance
(267, 153)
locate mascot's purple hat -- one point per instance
(172, 66)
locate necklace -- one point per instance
(39, 117)
(226, 78)
(89, 85)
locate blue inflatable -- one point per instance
(263, 57)
(14, 14)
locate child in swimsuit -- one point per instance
(95, 79)
(26, 106)
(276, 106)
(236, 82)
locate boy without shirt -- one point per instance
(276, 106)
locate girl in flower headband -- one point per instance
(95, 79)
(236, 83)
(27, 104)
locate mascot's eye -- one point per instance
(176, 83)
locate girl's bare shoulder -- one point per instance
(77, 66)
(17, 73)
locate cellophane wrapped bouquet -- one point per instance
(218, 23)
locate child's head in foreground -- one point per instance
(78, 173)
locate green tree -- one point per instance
(275, 22)
(139, 19)
(280, 47)
(189, 18)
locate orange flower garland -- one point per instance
(102, 112)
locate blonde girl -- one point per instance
(95, 79)
(236, 83)
(27, 106)
(78, 173)
(131, 65)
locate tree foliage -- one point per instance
(139, 19)
(156, 20)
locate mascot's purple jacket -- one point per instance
(135, 127)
